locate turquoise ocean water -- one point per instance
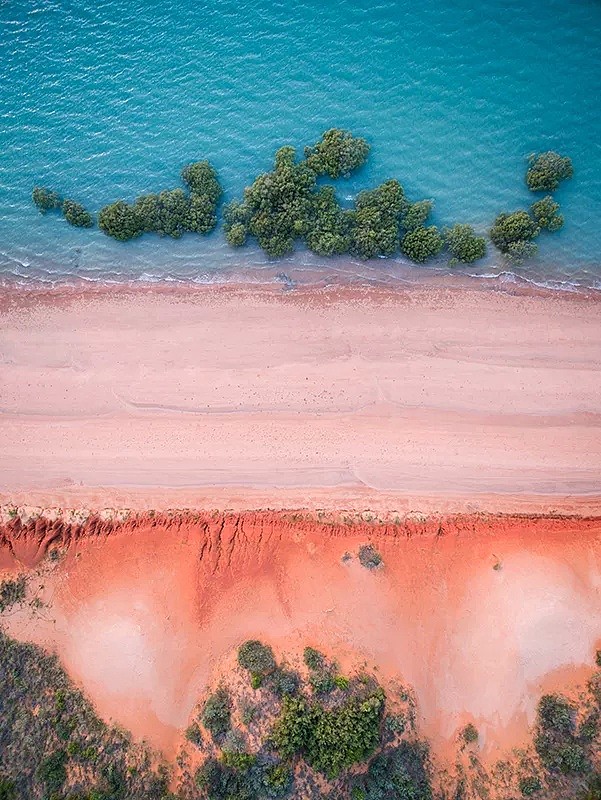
(110, 99)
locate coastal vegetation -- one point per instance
(289, 206)
(547, 170)
(355, 740)
(171, 212)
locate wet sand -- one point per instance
(480, 614)
(339, 393)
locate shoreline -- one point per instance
(342, 397)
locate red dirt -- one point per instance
(479, 613)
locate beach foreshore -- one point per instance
(349, 397)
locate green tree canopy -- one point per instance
(463, 243)
(547, 170)
(76, 214)
(510, 230)
(45, 199)
(421, 244)
(337, 153)
(375, 220)
(545, 212)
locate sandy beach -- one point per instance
(229, 397)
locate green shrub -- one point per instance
(341, 682)
(313, 659)
(545, 213)
(330, 740)
(12, 591)
(547, 170)
(337, 153)
(52, 771)
(283, 682)
(238, 761)
(278, 779)
(194, 734)
(369, 557)
(402, 773)
(530, 785)
(422, 244)
(598, 658)
(76, 214)
(463, 243)
(256, 657)
(322, 681)
(256, 680)
(236, 235)
(555, 740)
(216, 713)
(469, 734)
(7, 789)
(45, 200)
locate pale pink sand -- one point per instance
(423, 393)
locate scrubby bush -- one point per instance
(52, 771)
(530, 785)
(194, 735)
(469, 734)
(216, 713)
(45, 199)
(322, 681)
(330, 739)
(547, 170)
(369, 557)
(422, 244)
(256, 657)
(375, 220)
(313, 659)
(166, 213)
(277, 779)
(7, 789)
(463, 243)
(402, 773)
(513, 233)
(12, 591)
(555, 741)
(76, 214)
(283, 682)
(545, 213)
(337, 153)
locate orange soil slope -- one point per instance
(479, 613)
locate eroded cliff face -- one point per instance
(479, 613)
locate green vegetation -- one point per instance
(400, 773)
(313, 659)
(530, 785)
(513, 233)
(45, 199)
(76, 214)
(171, 212)
(256, 657)
(338, 153)
(12, 591)
(53, 745)
(469, 734)
(288, 205)
(547, 170)
(544, 211)
(330, 740)
(422, 244)
(369, 557)
(463, 244)
(556, 741)
(216, 714)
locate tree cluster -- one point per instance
(547, 170)
(171, 212)
(75, 214)
(286, 206)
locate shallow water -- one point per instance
(110, 99)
